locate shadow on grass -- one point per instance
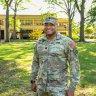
(16, 50)
(87, 55)
(13, 79)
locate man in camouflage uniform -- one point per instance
(54, 55)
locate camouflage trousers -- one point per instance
(52, 92)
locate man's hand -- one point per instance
(34, 87)
(70, 93)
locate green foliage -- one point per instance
(34, 35)
(75, 31)
(51, 1)
(89, 29)
(19, 4)
(92, 12)
(2, 2)
(75, 37)
(11, 21)
(47, 14)
(5, 3)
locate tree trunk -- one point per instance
(14, 31)
(82, 22)
(82, 29)
(70, 28)
(0, 33)
(7, 25)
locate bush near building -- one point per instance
(35, 34)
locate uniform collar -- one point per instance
(57, 37)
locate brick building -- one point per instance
(30, 23)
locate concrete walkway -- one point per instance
(90, 40)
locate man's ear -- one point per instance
(72, 44)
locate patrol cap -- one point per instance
(51, 20)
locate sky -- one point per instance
(37, 7)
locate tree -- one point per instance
(68, 7)
(17, 26)
(6, 4)
(89, 29)
(75, 31)
(16, 6)
(92, 12)
(47, 14)
(80, 7)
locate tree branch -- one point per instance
(73, 10)
(79, 10)
(12, 8)
(64, 12)
(65, 3)
(10, 2)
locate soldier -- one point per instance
(54, 56)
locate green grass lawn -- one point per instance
(15, 68)
(87, 57)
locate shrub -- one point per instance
(34, 35)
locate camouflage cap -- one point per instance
(51, 20)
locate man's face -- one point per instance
(49, 29)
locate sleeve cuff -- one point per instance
(72, 87)
(32, 81)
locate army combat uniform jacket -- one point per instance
(54, 63)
